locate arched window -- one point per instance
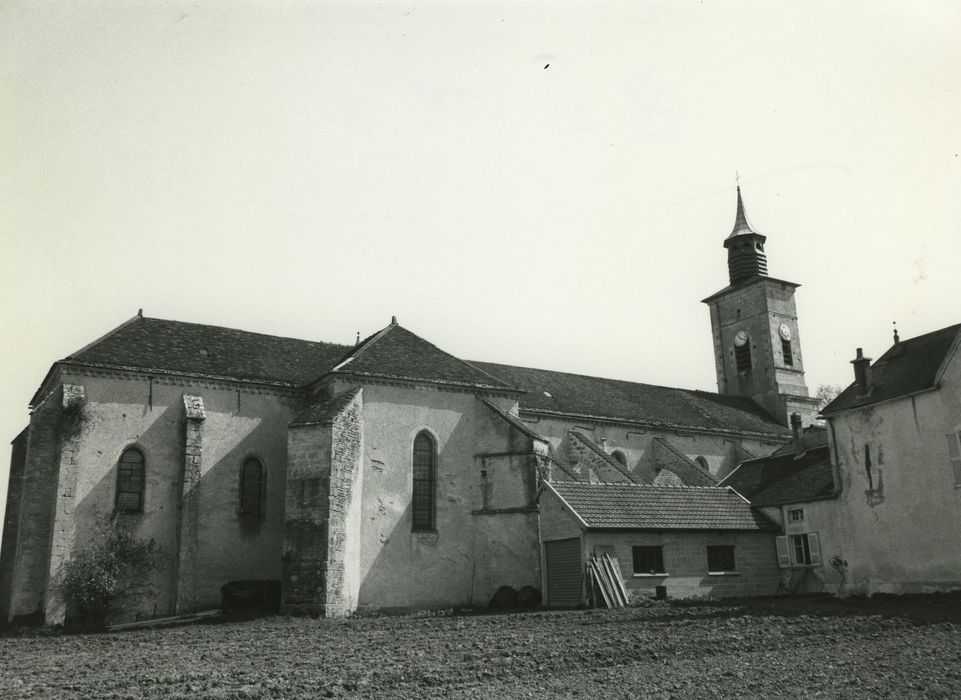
(130, 481)
(619, 457)
(786, 352)
(702, 463)
(252, 487)
(424, 483)
(742, 357)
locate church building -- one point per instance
(389, 474)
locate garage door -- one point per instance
(565, 577)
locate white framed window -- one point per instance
(798, 550)
(954, 455)
(795, 515)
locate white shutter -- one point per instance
(783, 557)
(954, 452)
(815, 548)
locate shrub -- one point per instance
(108, 569)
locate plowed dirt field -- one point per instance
(810, 647)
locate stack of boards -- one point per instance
(605, 582)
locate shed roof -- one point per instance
(784, 478)
(648, 507)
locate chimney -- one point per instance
(862, 373)
(796, 429)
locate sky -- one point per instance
(544, 184)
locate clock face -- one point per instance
(784, 331)
(740, 339)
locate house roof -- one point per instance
(907, 367)
(579, 395)
(397, 353)
(649, 507)
(175, 346)
(783, 478)
(323, 409)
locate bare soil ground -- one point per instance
(783, 647)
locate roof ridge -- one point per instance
(463, 362)
(106, 335)
(235, 330)
(634, 484)
(619, 381)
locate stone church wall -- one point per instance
(635, 443)
(11, 524)
(149, 414)
(474, 549)
(38, 489)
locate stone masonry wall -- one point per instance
(11, 524)
(32, 563)
(306, 514)
(591, 464)
(344, 472)
(187, 535)
(64, 523)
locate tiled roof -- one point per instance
(666, 456)
(579, 395)
(648, 507)
(324, 409)
(514, 421)
(909, 366)
(783, 479)
(174, 346)
(397, 353)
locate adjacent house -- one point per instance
(895, 434)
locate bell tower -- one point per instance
(757, 346)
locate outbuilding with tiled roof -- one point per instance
(690, 540)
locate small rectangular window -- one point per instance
(954, 455)
(720, 558)
(648, 560)
(796, 514)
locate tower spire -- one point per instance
(740, 220)
(745, 248)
